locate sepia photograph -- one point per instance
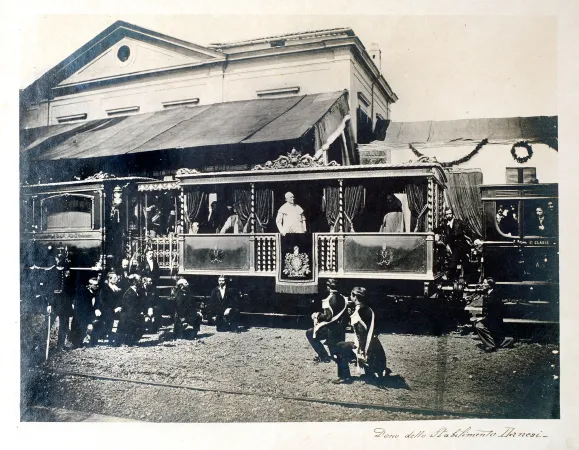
(324, 218)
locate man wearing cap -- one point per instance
(290, 217)
(369, 351)
(330, 324)
(187, 318)
(60, 295)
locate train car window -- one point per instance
(507, 218)
(540, 217)
(71, 211)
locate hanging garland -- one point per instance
(465, 158)
(522, 159)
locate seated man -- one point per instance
(187, 318)
(290, 217)
(490, 329)
(393, 221)
(109, 299)
(223, 308)
(233, 224)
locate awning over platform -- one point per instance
(532, 129)
(241, 122)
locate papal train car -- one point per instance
(365, 225)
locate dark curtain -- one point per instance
(463, 196)
(331, 205)
(196, 202)
(242, 204)
(354, 203)
(263, 209)
(417, 203)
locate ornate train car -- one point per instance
(371, 225)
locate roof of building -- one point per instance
(287, 36)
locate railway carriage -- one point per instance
(101, 221)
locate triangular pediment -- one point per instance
(106, 56)
(131, 56)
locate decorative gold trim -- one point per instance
(294, 159)
(101, 176)
(159, 186)
(185, 171)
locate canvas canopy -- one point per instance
(241, 122)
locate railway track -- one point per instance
(347, 404)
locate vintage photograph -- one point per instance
(304, 219)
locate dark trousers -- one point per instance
(340, 355)
(492, 337)
(63, 330)
(186, 322)
(225, 322)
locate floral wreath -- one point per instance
(522, 159)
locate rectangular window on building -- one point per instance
(518, 175)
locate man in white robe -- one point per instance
(290, 217)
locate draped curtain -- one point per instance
(242, 203)
(196, 201)
(331, 205)
(263, 209)
(463, 196)
(331, 126)
(416, 195)
(354, 203)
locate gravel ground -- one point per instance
(432, 377)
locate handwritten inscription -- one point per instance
(468, 432)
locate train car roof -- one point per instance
(270, 172)
(88, 181)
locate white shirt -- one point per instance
(290, 219)
(222, 290)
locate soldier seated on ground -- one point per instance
(490, 328)
(187, 318)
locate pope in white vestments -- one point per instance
(290, 217)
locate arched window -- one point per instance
(67, 211)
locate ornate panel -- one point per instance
(217, 252)
(385, 253)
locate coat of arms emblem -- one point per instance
(216, 255)
(296, 264)
(385, 256)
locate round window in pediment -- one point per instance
(124, 53)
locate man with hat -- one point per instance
(369, 351)
(187, 318)
(150, 270)
(60, 295)
(330, 325)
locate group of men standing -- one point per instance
(330, 323)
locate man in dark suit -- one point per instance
(223, 308)
(330, 325)
(84, 313)
(60, 295)
(187, 319)
(151, 271)
(131, 321)
(456, 239)
(490, 329)
(106, 303)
